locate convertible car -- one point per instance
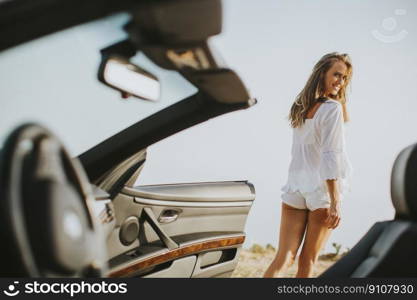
(111, 78)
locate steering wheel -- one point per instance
(47, 226)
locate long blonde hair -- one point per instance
(315, 88)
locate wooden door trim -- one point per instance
(181, 251)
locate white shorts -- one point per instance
(307, 200)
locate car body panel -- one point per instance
(209, 218)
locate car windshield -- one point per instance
(53, 81)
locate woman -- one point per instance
(319, 173)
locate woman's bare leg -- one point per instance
(293, 224)
(317, 234)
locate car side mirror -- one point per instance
(119, 73)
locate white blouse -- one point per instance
(318, 152)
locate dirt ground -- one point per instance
(254, 261)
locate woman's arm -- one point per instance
(331, 165)
(333, 216)
(333, 190)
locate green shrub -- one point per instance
(256, 248)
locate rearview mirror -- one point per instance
(120, 74)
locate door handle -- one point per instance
(168, 216)
(150, 217)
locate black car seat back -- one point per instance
(389, 248)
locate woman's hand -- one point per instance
(333, 215)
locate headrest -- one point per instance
(404, 183)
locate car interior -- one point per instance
(86, 216)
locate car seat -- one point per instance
(389, 248)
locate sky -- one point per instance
(273, 45)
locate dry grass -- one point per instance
(253, 262)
